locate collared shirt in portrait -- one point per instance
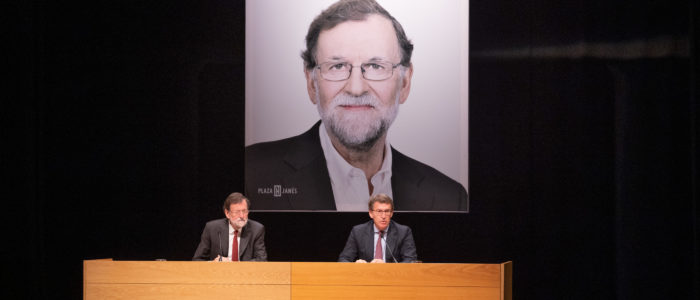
(349, 183)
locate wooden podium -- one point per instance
(107, 279)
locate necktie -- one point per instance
(234, 246)
(378, 249)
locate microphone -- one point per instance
(389, 247)
(220, 251)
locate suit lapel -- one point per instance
(310, 176)
(392, 238)
(245, 238)
(369, 237)
(405, 185)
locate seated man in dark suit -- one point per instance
(380, 240)
(358, 71)
(245, 237)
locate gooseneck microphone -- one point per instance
(220, 251)
(389, 247)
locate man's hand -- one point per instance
(222, 258)
(361, 261)
(377, 261)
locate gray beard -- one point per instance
(355, 132)
(239, 223)
(362, 144)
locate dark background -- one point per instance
(124, 133)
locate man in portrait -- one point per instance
(358, 71)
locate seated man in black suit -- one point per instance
(380, 240)
(245, 237)
(358, 71)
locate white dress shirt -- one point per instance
(349, 183)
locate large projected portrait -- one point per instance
(353, 98)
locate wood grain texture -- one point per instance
(184, 291)
(106, 279)
(392, 292)
(191, 272)
(448, 275)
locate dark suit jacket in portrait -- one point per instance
(215, 241)
(291, 174)
(360, 244)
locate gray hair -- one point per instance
(351, 10)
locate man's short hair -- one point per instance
(351, 10)
(235, 198)
(381, 198)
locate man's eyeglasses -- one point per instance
(339, 71)
(383, 212)
(239, 212)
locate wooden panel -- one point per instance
(184, 291)
(106, 279)
(392, 292)
(454, 275)
(196, 272)
(507, 280)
